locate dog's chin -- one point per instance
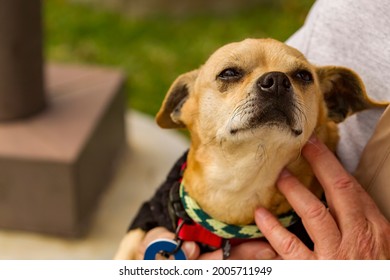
(294, 132)
(277, 121)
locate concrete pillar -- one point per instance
(55, 165)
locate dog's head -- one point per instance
(258, 85)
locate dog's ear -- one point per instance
(169, 115)
(344, 92)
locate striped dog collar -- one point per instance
(224, 230)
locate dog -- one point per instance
(250, 109)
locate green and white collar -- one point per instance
(222, 229)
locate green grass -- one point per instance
(155, 50)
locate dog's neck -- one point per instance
(230, 182)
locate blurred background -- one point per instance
(150, 42)
(154, 41)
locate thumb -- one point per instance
(191, 250)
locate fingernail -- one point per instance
(266, 254)
(261, 214)
(189, 249)
(314, 143)
(285, 173)
(313, 139)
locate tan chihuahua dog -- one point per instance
(249, 110)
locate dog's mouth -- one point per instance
(280, 117)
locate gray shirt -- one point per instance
(355, 34)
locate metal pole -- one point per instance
(21, 59)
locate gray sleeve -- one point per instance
(354, 34)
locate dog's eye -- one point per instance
(304, 75)
(230, 74)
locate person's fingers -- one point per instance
(251, 250)
(318, 222)
(156, 233)
(286, 244)
(152, 235)
(257, 250)
(342, 191)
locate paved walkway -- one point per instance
(150, 154)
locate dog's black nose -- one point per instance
(274, 82)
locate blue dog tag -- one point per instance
(163, 246)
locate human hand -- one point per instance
(352, 227)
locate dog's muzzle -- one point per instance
(276, 102)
